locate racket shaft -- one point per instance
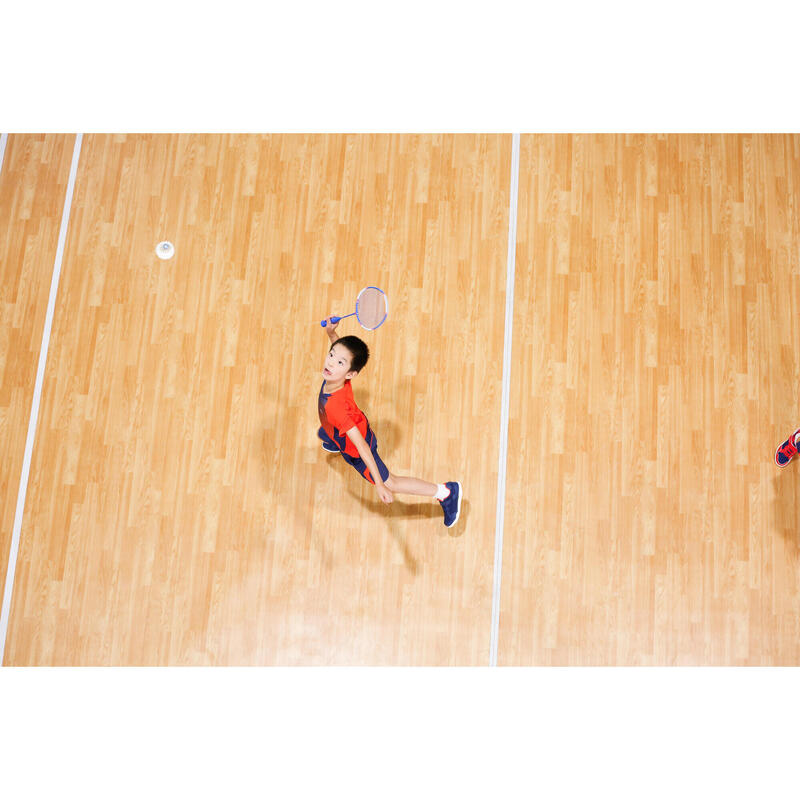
(334, 320)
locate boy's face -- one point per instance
(337, 364)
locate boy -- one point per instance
(346, 430)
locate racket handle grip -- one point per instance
(334, 320)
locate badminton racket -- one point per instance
(372, 308)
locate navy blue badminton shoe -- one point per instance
(451, 505)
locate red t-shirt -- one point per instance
(338, 413)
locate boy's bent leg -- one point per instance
(410, 486)
(327, 443)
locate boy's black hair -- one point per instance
(358, 350)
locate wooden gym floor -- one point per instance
(180, 510)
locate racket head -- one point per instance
(372, 307)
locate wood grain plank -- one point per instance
(181, 510)
(656, 362)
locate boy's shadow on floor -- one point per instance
(421, 509)
(408, 508)
(399, 510)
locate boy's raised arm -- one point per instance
(330, 329)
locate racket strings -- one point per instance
(371, 308)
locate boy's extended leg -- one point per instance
(410, 486)
(448, 495)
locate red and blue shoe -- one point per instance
(787, 451)
(451, 505)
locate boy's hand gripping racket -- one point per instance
(372, 308)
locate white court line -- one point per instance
(507, 342)
(37, 396)
(3, 140)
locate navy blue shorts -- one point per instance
(356, 461)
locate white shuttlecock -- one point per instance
(165, 250)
